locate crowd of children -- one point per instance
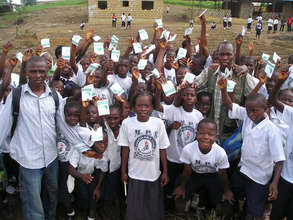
(148, 130)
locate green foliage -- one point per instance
(196, 4)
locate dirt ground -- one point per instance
(59, 24)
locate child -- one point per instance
(129, 20)
(123, 18)
(225, 22)
(214, 25)
(184, 121)
(276, 22)
(249, 23)
(114, 19)
(270, 25)
(205, 165)
(112, 181)
(58, 85)
(282, 207)
(82, 24)
(258, 29)
(169, 71)
(229, 21)
(204, 103)
(120, 75)
(89, 174)
(262, 153)
(144, 141)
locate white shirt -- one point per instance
(129, 18)
(123, 17)
(225, 19)
(276, 21)
(249, 20)
(145, 140)
(80, 77)
(287, 172)
(86, 165)
(277, 118)
(270, 22)
(185, 134)
(261, 148)
(113, 151)
(259, 18)
(170, 74)
(125, 83)
(204, 163)
(229, 19)
(104, 93)
(33, 144)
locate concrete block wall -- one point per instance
(100, 16)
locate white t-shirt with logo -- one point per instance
(80, 77)
(185, 134)
(287, 172)
(104, 93)
(204, 163)
(145, 140)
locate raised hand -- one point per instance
(202, 19)
(60, 63)
(250, 47)
(135, 73)
(222, 83)
(262, 77)
(27, 55)
(130, 42)
(39, 50)
(6, 47)
(13, 61)
(283, 74)
(239, 40)
(89, 35)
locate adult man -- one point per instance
(33, 144)
(208, 78)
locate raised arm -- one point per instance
(239, 40)
(72, 59)
(222, 83)
(84, 45)
(129, 48)
(203, 45)
(158, 106)
(5, 49)
(26, 56)
(262, 79)
(159, 65)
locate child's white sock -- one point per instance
(72, 213)
(89, 218)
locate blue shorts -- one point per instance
(256, 194)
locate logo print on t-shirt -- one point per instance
(144, 148)
(186, 135)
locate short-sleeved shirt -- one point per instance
(125, 83)
(170, 74)
(270, 22)
(287, 172)
(145, 140)
(204, 163)
(249, 20)
(261, 148)
(185, 134)
(80, 77)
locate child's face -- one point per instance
(286, 97)
(66, 71)
(271, 82)
(133, 61)
(72, 116)
(85, 63)
(101, 146)
(147, 70)
(59, 86)
(123, 68)
(180, 75)
(100, 79)
(206, 135)
(250, 63)
(92, 114)
(255, 111)
(143, 108)
(126, 110)
(204, 105)
(196, 66)
(170, 57)
(114, 118)
(188, 97)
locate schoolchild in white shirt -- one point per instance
(144, 141)
(262, 153)
(282, 206)
(89, 174)
(205, 164)
(184, 121)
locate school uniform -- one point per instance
(205, 169)
(258, 29)
(270, 24)
(144, 140)
(224, 22)
(79, 78)
(261, 148)
(179, 138)
(123, 18)
(282, 207)
(84, 192)
(112, 180)
(229, 21)
(249, 22)
(104, 93)
(170, 74)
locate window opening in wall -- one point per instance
(102, 5)
(125, 3)
(147, 5)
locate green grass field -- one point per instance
(28, 9)
(197, 4)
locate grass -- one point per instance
(196, 4)
(28, 9)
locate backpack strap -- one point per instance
(16, 93)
